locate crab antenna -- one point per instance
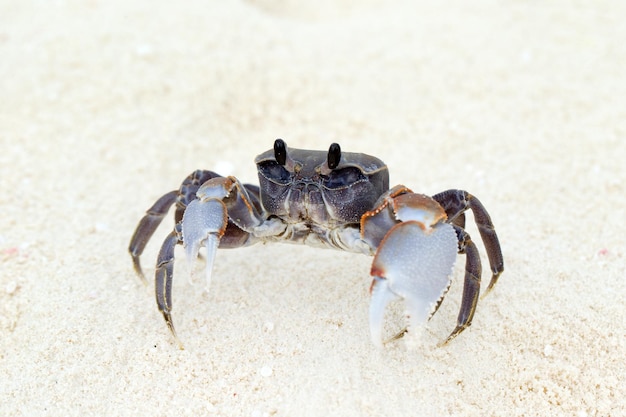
(280, 151)
(334, 156)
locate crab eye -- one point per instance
(334, 156)
(274, 172)
(343, 177)
(280, 151)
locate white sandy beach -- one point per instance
(105, 106)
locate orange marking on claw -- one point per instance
(420, 201)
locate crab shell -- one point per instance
(306, 189)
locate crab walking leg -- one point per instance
(146, 227)
(163, 280)
(471, 284)
(204, 223)
(455, 203)
(413, 262)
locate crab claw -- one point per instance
(204, 223)
(413, 262)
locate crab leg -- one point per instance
(147, 226)
(413, 262)
(455, 203)
(471, 284)
(163, 279)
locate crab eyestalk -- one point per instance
(334, 156)
(280, 151)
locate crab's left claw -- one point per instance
(204, 223)
(414, 262)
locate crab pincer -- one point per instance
(203, 224)
(413, 262)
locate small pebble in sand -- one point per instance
(266, 371)
(547, 350)
(11, 287)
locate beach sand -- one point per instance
(105, 106)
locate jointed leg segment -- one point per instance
(471, 283)
(147, 226)
(163, 278)
(455, 203)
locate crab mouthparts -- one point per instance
(307, 204)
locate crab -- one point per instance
(337, 200)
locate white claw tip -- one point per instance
(381, 297)
(211, 244)
(191, 255)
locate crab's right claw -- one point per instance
(204, 223)
(413, 262)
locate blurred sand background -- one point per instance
(104, 106)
